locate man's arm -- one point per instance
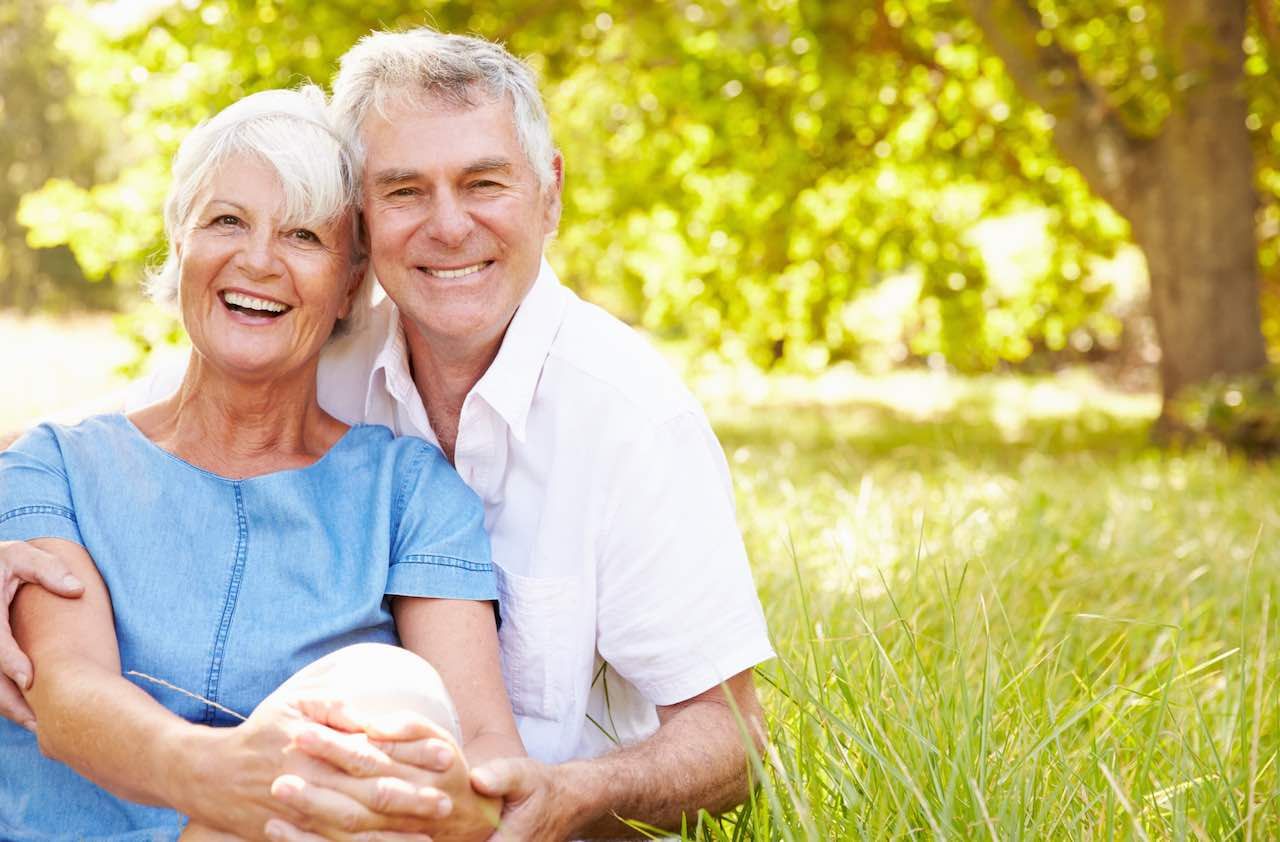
(697, 760)
(22, 563)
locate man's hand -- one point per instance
(531, 805)
(21, 563)
(401, 773)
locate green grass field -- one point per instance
(1000, 614)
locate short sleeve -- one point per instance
(678, 611)
(35, 497)
(439, 548)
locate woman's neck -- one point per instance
(241, 428)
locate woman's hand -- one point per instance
(401, 773)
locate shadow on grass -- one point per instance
(972, 429)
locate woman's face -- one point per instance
(259, 299)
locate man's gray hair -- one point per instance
(453, 68)
(288, 130)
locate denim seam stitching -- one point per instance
(60, 511)
(410, 476)
(228, 607)
(446, 561)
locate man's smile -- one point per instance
(462, 272)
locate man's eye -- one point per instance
(402, 192)
(484, 184)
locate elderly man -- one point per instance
(629, 622)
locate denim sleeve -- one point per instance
(35, 497)
(439, 548)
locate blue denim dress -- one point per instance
(226, 587)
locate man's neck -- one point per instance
(445, 375)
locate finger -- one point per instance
(350, 753)
(15, 708)
(282, 831)
(331, 712)
(330, 808)
(432, 755)
(13, 661)
(29, 564)
(507, 778)
(387, 796)
(278, 830)
(405, 725)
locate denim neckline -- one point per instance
(133, 430)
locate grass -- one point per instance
(999, 613)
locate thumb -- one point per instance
(508, 778)
(29, 564)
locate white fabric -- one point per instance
(610, 508)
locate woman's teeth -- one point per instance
(240, 301)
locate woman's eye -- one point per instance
(226, 219)
(305, 235)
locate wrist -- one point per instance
(186, 754)
(579, 795)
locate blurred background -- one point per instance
(967, 186)
(937, 269)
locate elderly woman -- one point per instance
(234, 533)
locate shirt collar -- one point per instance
(392, 358)
(509, 383)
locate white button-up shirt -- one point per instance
(623, 579)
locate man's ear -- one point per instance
(554, 197)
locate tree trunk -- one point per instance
(1188, 193)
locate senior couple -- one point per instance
(576, 613)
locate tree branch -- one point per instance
(1087, 131)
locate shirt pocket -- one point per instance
(536, 621)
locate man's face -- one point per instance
(456, 217)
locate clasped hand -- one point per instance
(397, 777)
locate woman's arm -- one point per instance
(460, 639)
(100, 724)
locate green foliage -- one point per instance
(748, 175)
(41, 139)
(1241, 411)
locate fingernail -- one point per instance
(483, 777)
(70, 581)
(444, 806)
(22, 680)
(443, 756)
(30, 725)
(274, 830)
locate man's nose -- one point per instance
(448, 221)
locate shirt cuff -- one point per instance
(31, 522)
(442, 577)
(699, 678)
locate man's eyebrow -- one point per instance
(487, 165)
(394, 176)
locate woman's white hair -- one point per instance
(453, 68)
(289, 130)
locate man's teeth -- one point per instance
(455, 273)
(248, 302)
